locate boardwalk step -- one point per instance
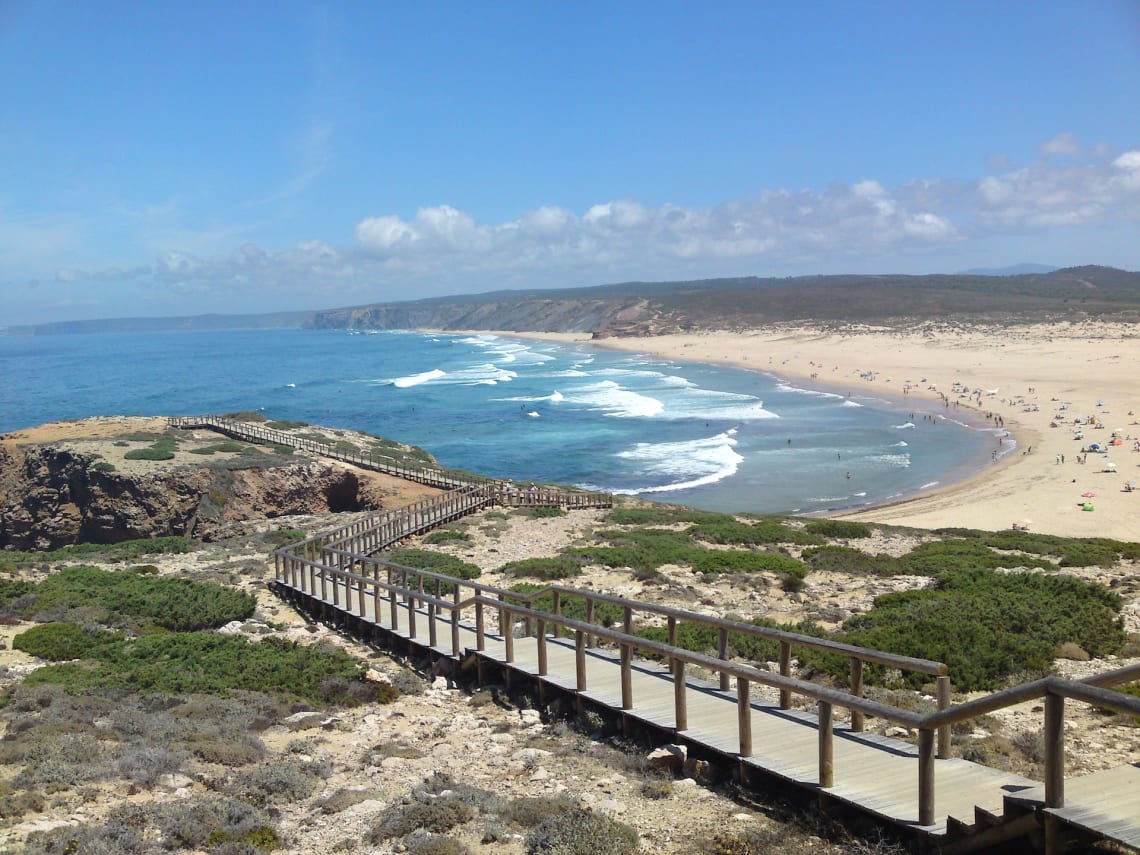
(985, 819)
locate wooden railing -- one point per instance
(394, 592)
(500, 492)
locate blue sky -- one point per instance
(183, 158)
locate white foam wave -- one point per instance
(904, 426)
(900, 460)
(687, 464)
(850, 403)
(902, 444)
(554, 397)
(613, 400)
(929, 485)
(417, 379)
(787, 387)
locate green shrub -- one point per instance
(543, 568)
(582, 832)
(569, 605)
(664, 515)
(447, 535)
(433, 562)
(731, 561)
(171, 603)
(163, 448)
(946, 556)
(227, 447)
(986, 625)
(540, 512)
(123, 551)
(283, 425)
(176, 663)
(838, 528)
(59, 642)
(844, 559)
(639, 549)
(104, 466)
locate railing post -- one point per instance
(433, 631)
(785, 671)
(826, 756)
(627, 621)
(393, 605)
(857, 691)
(541, 647)
(926, 777)
(672, 641)
(455, 621)
(744, 715)
(580, 660)
(509, 638)
(502, 619)
(556, 609)
(480, 641)
(680, 707)
(626, 677)
(412, 614)
(943, 703)
(589, 619)
(722, 653)
(1054, 750)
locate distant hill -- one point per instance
(1012, 270)
(646, 308)
(274, 320)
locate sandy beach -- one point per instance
(1040, 382)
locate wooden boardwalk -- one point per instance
(948, 804)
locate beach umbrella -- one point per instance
(1088, 494)
(1087, 506)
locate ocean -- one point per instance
(713, 437)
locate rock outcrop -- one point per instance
(55, 496)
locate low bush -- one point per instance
(447, 535)
(639, 549)
(540, 512)
(530, 811)
(275, 783)
(180, 605)
(433, 562)
(163, 448)
(205, 663)
(438, 815)
(59, 642)
(664, 515)
(582, 832)
(570, 606)
(560, 567)
(227, 447)
(844, 559)
(986, 625)
(945, 556)
(126, 550)
(838, 528)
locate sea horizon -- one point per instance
(715, 437)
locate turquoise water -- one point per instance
(709, 436)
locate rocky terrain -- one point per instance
(77, 483)
(374, 758)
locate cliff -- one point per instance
(87, 490)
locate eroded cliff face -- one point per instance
(52, 497)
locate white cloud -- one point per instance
(442, 249)
(1061, 145)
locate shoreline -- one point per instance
(1030, 377)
